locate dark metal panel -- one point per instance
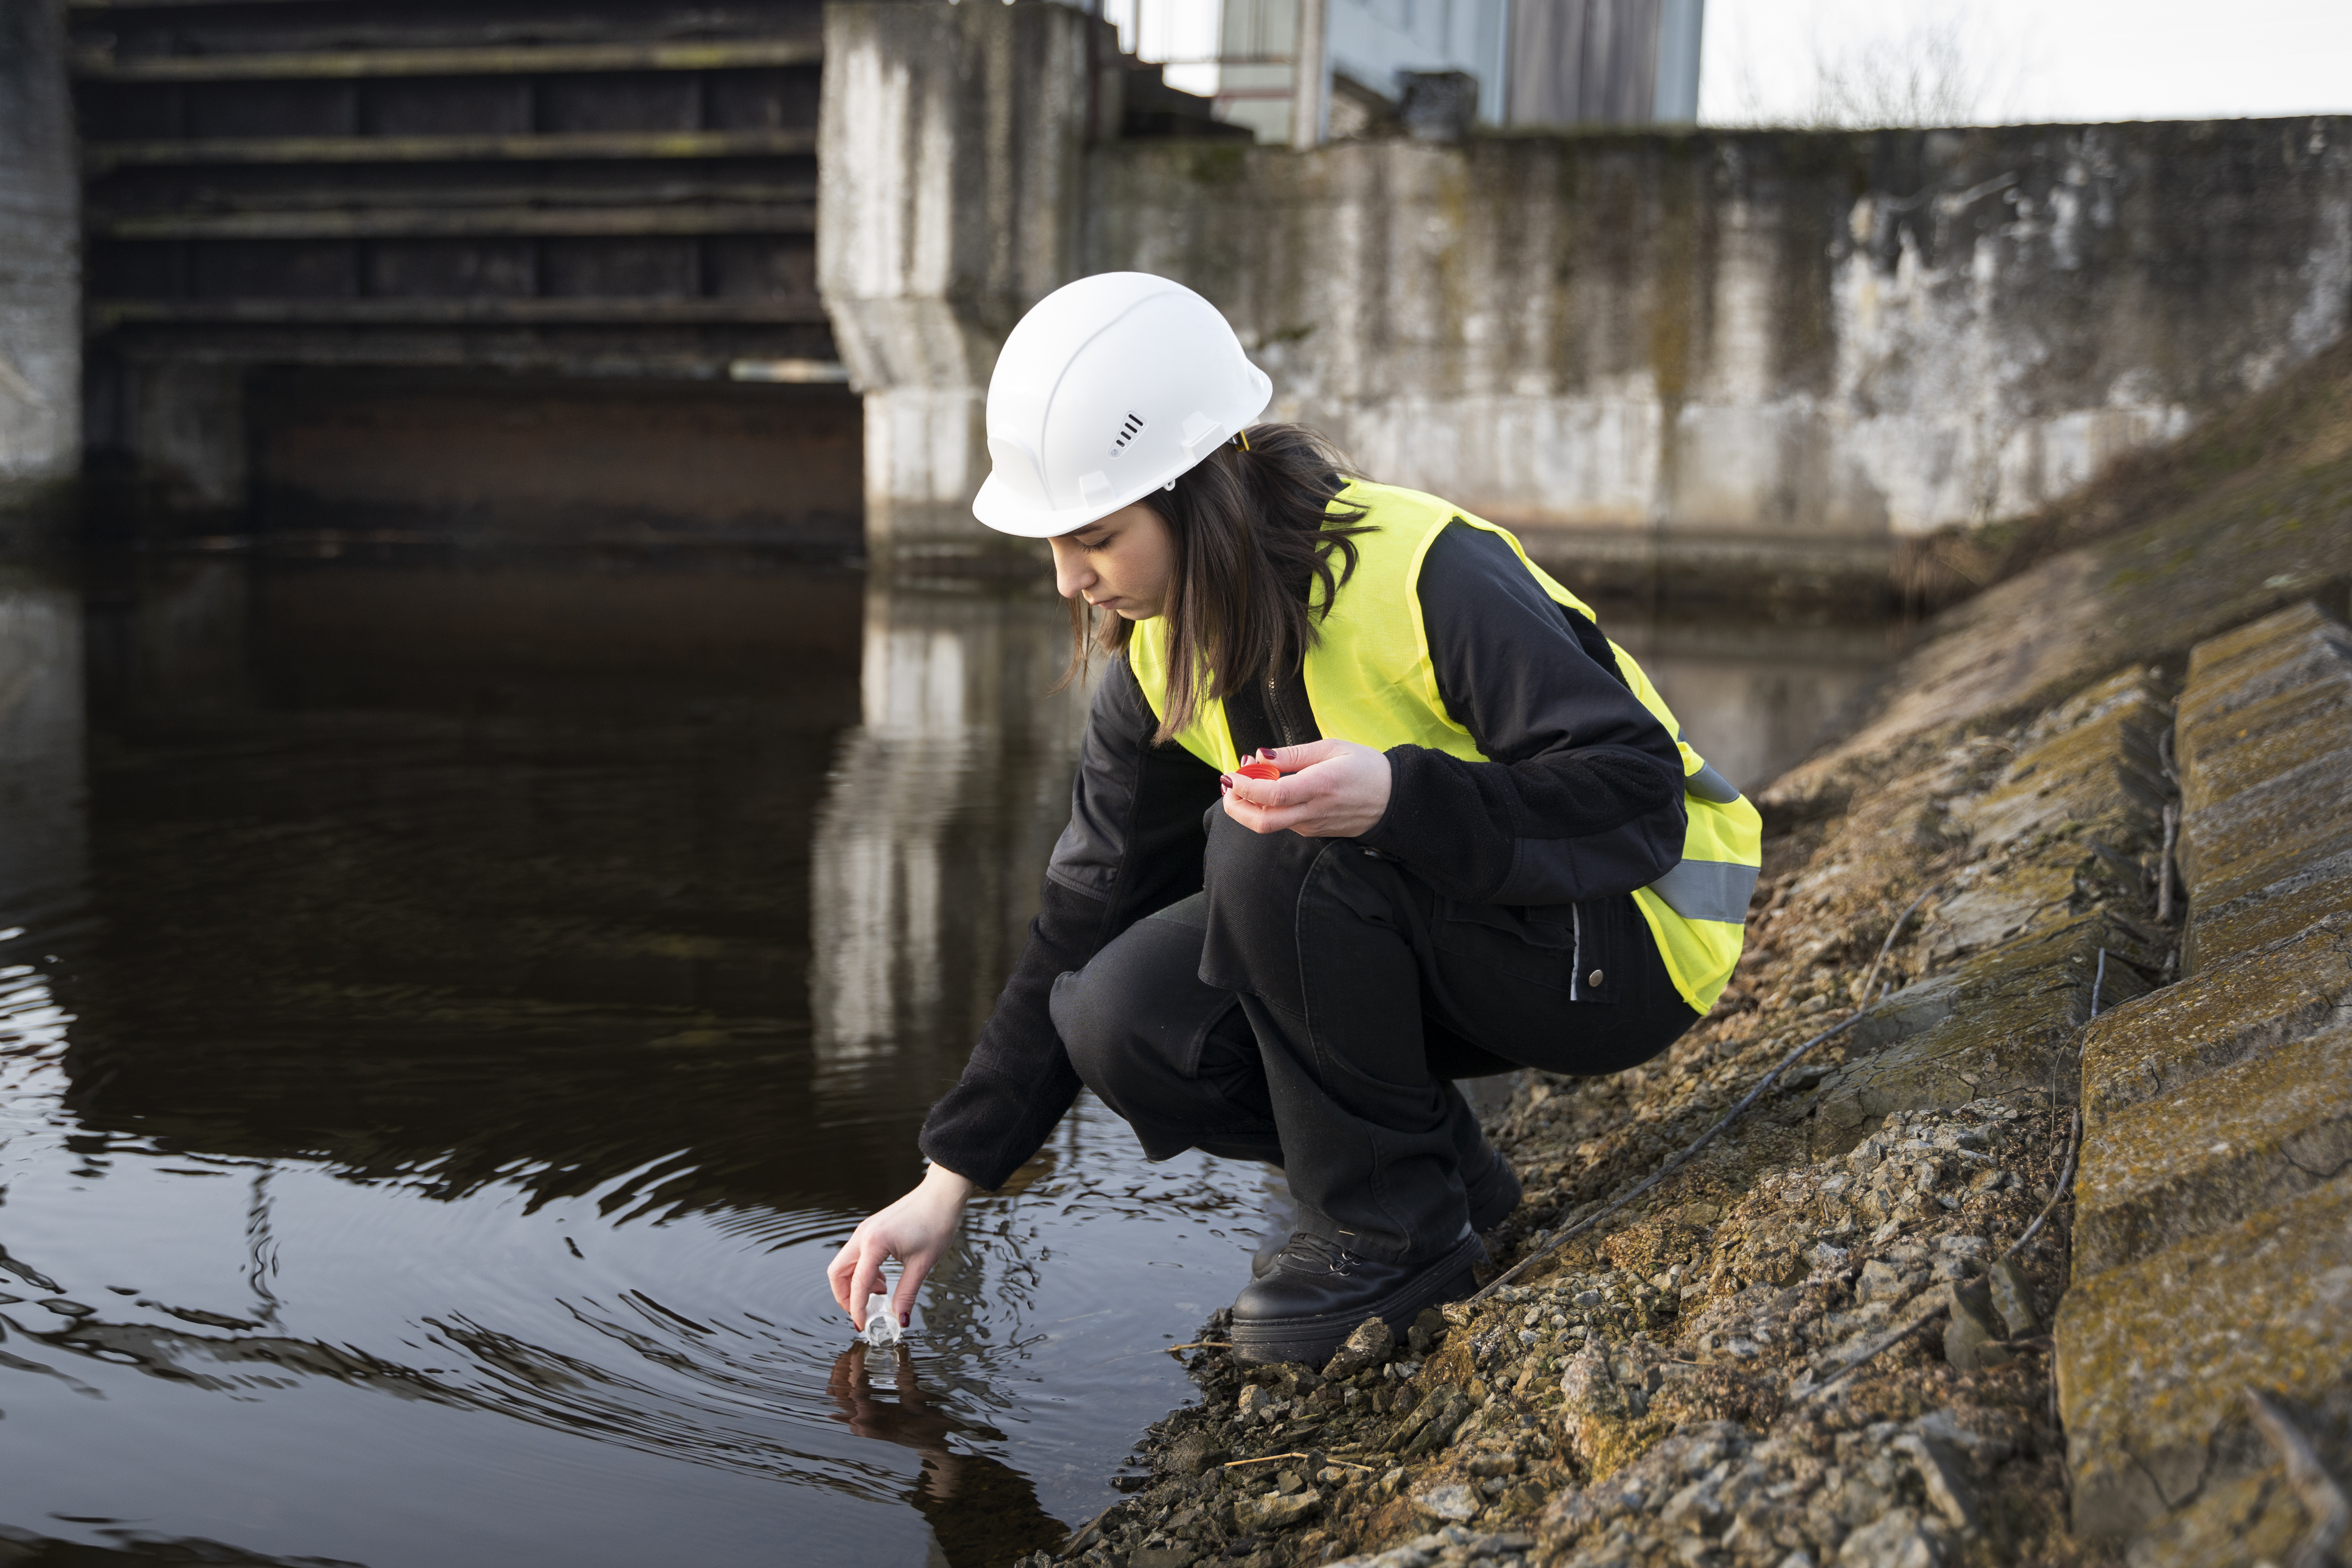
(464, 106)
(451, 269)
(641, 102)
(404, 223)
(104, 64)
(577, 147)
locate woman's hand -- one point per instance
(914, 1230)
(1328, 789)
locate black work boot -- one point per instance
(1303, 1306)
(1492, 1196)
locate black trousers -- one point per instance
(1313, 1005)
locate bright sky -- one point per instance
(2033, 59)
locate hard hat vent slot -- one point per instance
(1128, 429)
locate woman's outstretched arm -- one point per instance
(914, 1230)
(1133, 845)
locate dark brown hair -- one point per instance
(1254, 533)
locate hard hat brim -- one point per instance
(1000, 507)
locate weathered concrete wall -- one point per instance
(1801, 334)
(1822, 341)
(950, 156)
(40, 257)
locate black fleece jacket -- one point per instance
(1581, 800)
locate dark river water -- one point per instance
(449, 1017)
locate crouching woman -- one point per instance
(1367, 805)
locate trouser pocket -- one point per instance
(1582, 950)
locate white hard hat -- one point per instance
(1107, 390)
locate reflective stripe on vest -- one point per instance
(1369, 678)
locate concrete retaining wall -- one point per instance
(2213, 1238)
(1722, 333)
(41, 258)
(1824, 341)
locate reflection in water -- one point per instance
(43, 851)
(439, 1165)
(450, 1015)
(943, 806)
(979, 1510)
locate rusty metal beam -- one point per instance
(405, 223)
(338, 65)
(598, 145)
(105, 314)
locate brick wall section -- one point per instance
(2213, 1244)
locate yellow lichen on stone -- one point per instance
(2153, 1359)
(2247, 1138)
(2158, 1043)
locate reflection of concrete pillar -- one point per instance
(949, 157)
(934, 834)
(41, 258)
(188, 431)
(42, 832)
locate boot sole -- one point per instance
(1313, 1340)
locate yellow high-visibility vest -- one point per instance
(1370, 680)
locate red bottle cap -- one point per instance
(1258, 768)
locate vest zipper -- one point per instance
(1274, 711)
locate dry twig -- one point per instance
(2058, 1195)
(1878, 1348)
(1328, 1459)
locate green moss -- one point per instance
(1217, 162)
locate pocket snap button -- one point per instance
(1593, 979)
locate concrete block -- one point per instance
(2247, 1138)
(1995, 1024)
(2218, 933)
(2234, 752)
(2099, 770)
(2149, 1049)
(2268, 830)
(2153, 1358)
(2224, 658)
(2247, 1521)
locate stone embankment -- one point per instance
(1883, 1321)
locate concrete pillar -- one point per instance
(950, 158)
(40, 259)
(188, 427)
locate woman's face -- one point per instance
(1124, 562)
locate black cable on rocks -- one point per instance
(1555, 1243)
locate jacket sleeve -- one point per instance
(1582, 796)
(1133, 845)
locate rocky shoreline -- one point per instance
(1821, 1342)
